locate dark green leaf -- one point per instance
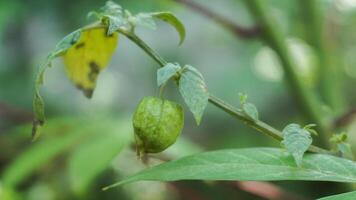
(38, 154)
(95, 154)
(172, 20)
(194, 91)
(344, 196)
(297, 141)
(38, 108)
(98, 131)
(166, 72)
(38, 103)
(250, 164)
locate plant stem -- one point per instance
(242, 32)
(161, 90)
(329, 75)
(307, 101)
(257, 124)
(345, 119)
(237, 113)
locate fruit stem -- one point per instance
(161, 90)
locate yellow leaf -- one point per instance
(88, 56)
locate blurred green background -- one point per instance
(82, 147)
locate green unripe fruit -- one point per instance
(157, 124)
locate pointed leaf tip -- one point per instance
(297, 141)
(249, 164)
(194, 91)
(171, 19)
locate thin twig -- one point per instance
(345, 119)
(14, 114)
(242, 32)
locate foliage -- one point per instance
(194, 91)
(157, 127)
(262, 164)
(167, 72)
(90, 145)
(297, 141)
(96, 146)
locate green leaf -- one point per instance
(250, 164)
(38, 103)
(88, 132)
(166, 72)
(194, 91)
(172, 20)
(297, 141)
(344, 196)
(38, 106)
(250, 110)
(39, 154)
(95, 154)
(112, 15)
